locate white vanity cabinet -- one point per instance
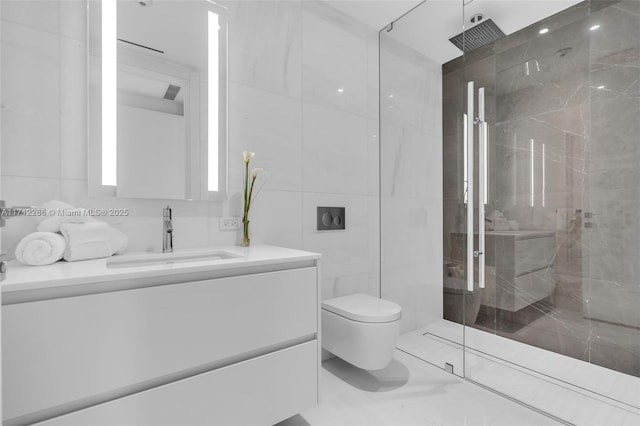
(229, 350)
(264, 390)
(519, 268)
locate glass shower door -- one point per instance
(553, 320)
(415, 132)
(559, 312)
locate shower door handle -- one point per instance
(482, 185)
(482, 176)
(469, 184)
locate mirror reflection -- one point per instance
(164, 134)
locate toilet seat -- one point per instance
(363, 308)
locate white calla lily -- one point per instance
(248, 192)
(247, 155)
(254, 172)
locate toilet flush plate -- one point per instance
(330, 218)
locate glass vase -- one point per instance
(246, 242)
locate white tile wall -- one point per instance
(277, 218)
(73, 110)
(30, 102)
(334, 151)
(286, 62)
(334, 59)
(345, 252)
(270, 125)
(265, 44)
(24, 191)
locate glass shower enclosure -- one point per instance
(510, 198)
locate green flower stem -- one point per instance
(246, 189)
(248, 193)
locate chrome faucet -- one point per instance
(9, 212)
(167, 230)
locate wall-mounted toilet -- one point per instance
(361, 329)
(456, 296)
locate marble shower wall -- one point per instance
(411, 182)
(286, 61)
(564, 157)
(613, 241)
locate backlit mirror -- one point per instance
(157, 99)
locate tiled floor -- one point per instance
(552, 382)
(408, 392)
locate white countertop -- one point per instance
(46, 279)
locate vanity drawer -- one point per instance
(96, 346)
(534, 253)
(530, 288)
(279, 384)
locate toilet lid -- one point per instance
(363, 308)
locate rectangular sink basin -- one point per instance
(169, 258)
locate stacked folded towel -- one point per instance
(60, 213)
(41, 248)
(83, 237)
(91, 240)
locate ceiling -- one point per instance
(428, 27)
(375, 13)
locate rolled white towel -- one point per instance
(86, 240)
(40, 248)
(59, 213)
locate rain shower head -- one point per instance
(484, 31)
(172, 92)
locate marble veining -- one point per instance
(563, 157)
(265, 46)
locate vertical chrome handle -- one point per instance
(469, 136)
(482, 185)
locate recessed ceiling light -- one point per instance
(544, 31)
(595, 27)
(391, 95)
(340, 90)
(600, 87)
